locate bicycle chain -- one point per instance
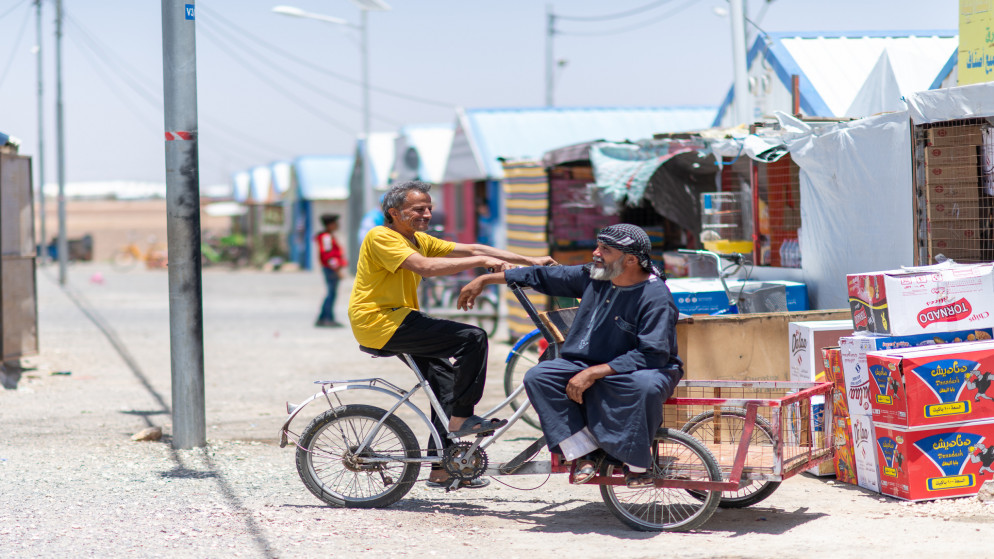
(461, 466)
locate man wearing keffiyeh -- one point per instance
(605, 394)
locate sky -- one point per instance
(272, 87)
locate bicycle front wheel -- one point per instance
(524, 355)
(332, 470)
(676, 456)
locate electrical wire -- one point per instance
(13, 51)
(247, 47)
(290, 56)
(91, 46)
(640, 25)
(12, 8)
(617, 15)
(286, 93)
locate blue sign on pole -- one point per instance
(189, 11)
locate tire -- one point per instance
(524, 355)
(123, 261)
(676, 456)
(702, 427)
(324, 458)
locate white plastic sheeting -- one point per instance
(856, 202)
(857, 189)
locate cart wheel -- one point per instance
(676, 456)
(729, 431)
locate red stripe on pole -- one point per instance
(178, 136)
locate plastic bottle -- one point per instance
(783, 254)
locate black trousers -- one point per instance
(432, 342)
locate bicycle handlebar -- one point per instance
(738, 259)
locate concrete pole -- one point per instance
(743, 99)
(43, 241)
(60, 148)
(367, 195)
(186, 322)
(550, 63)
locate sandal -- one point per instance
(639, 480)
(587, 467)
(476, 425)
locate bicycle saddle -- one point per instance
(377, 352)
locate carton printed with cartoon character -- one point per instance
(930, 386)
(844, 462)
(927, 463)
(941, 298)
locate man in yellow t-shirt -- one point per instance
(385, 315)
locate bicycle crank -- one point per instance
(464, 461)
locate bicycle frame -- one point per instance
(382, 386)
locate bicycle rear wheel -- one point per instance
(727, 428)
(523, 356)
(676, 456)
(333, 472)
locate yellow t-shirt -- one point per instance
(384, 293)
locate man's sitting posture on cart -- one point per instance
(384, 311)
(619, 362)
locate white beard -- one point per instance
(608, 272)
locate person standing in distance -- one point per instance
(333, 265)
(385, 314)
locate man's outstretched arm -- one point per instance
(462, 250)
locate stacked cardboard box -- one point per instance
(857, 379)
(952, 180)
(935, 419)
(844, 462)
(930, 299)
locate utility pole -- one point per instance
(743, 99)
(43, 242)
(367, 195)
(186, 317)
(550, 63)
(60, 147)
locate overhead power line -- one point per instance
(307, 64)
(283, 91)
(97, 54)
(14, 50)
(618, 15)
(258, 57)
(639, 25)
(12, 8)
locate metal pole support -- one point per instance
(186, 323)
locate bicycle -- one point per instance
(127, 257)
(363, 456)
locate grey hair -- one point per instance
(397, 195)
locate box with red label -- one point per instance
(959, 135)
(940, 298)
(857, 374)
(921, 386)
(925, 463)
(946, 163)
(844, 462)
(832, 364)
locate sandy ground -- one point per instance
(116, 223)
(72, 483)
